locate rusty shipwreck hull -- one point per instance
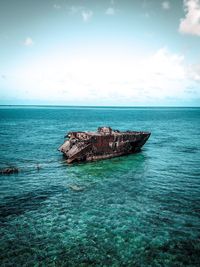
(103, 144)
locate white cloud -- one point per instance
(94, 77)
(28, 42)
(56, 6)
(75, 9)
(194, 72)
(110, 11)
(86, 15)
(146, 15)
(166, 5)
(191, 23)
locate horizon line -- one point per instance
(91, 106)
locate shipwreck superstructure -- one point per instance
(103, 144)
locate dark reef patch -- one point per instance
(19, 204)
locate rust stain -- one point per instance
(105, 143)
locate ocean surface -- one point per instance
(137, 210)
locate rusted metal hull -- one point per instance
(103, 144)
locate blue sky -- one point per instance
(108, 52)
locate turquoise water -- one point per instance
(136, 210)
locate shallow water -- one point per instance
(136, 210)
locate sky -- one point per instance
(104, 53)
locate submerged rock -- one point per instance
(7, 171)
(38, 167)
(76, 188)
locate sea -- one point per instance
(138, 210)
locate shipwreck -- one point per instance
(103, 144)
